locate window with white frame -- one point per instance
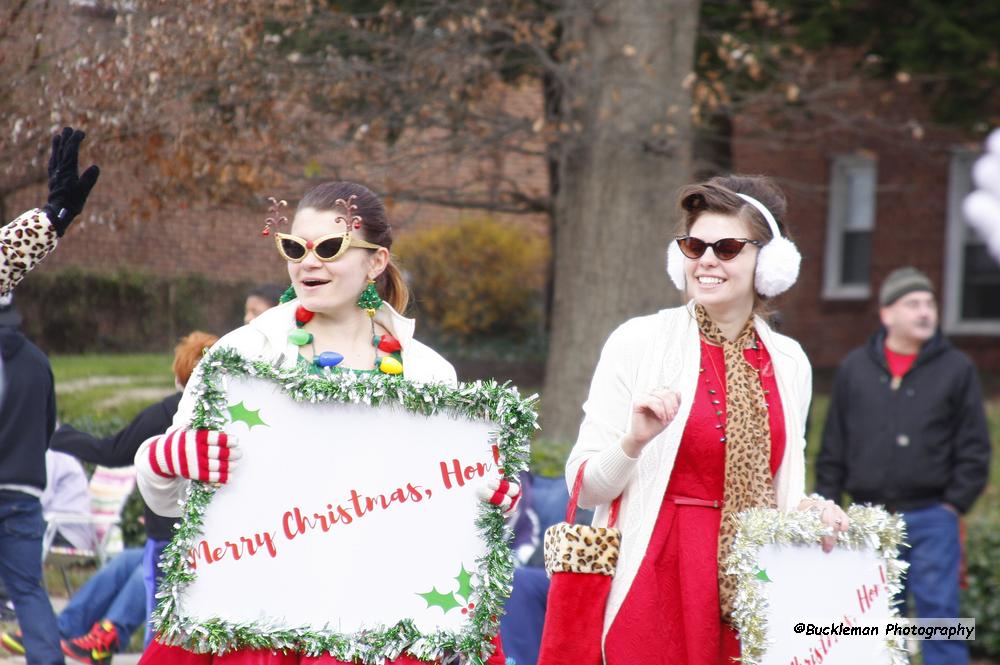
(971, 298)
(850, 223)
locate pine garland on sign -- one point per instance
(501, 404)
(871, 527)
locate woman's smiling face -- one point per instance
(327, 286)
(715, 283)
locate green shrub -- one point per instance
(75, 310)
(478, 278)
(981, 599)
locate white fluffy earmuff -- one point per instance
(675, 265)
(778, 261)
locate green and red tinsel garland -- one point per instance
(503, 405)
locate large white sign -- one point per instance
(351, 523)
(814, 598)
(342, 516)
(798, 605)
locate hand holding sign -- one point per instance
(831, 515)
(199, 454)
(500, 492)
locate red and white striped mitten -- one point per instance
(500, 492)
(202, 454)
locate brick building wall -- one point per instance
(913, 161)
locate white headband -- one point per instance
(764, 211)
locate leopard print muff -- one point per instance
(579, 548)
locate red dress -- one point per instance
(671, 613)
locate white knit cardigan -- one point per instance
(663, 349)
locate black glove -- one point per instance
(68, 190)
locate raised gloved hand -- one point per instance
(500, 492)
(202, 454)
(68, 190)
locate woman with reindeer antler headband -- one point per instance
(342, 313)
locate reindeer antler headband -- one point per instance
(274, 216)
(352, 220)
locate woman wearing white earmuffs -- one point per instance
(694, 414)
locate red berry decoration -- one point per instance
(303, 315)
(389, 344)
(266, 232)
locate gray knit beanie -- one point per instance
(900, 282)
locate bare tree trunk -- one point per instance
(618, 176)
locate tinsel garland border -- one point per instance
(501, 404)
(871, 527)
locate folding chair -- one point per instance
(109, 492)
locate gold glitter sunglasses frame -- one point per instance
(332, 253)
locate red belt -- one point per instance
(688, 501)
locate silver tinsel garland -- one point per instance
(871, 528)
(498, 403)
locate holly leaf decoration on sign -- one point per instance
(241, 414)
(434, 598)
(464, 584)
(762, 576)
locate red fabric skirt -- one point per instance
(157, 653)
(671, 614)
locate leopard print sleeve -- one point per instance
(23, 243)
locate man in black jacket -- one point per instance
(27, 418)
(907, 429)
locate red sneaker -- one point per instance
(13, 642)
(96, 647)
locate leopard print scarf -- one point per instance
(748, 481)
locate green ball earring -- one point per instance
(289, 294)
(370, 299)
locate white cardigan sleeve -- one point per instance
(607, 416)
(165, 496)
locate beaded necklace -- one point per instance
(392, 363)
(713, 393)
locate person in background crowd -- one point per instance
(521, 625)
(27, 420)
(65, 492)
(261, 299)
(906, 428)
(119, 450)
